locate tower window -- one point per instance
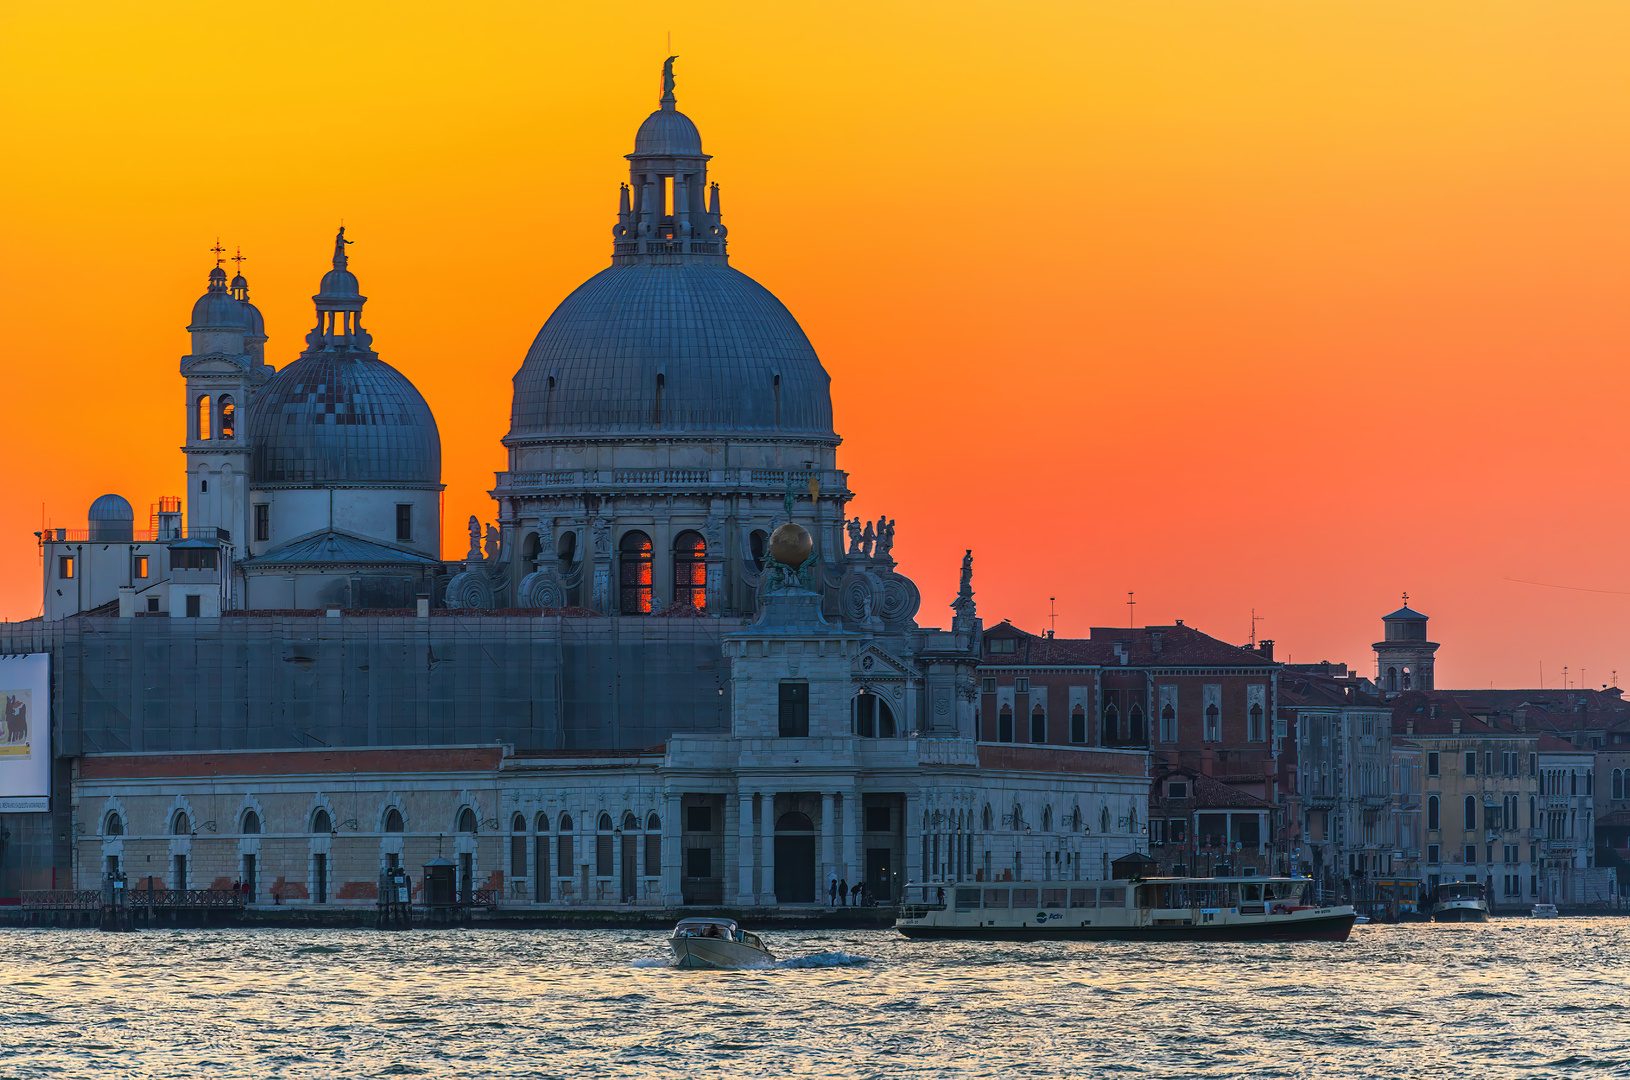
(203, 418)
(690, 570)
(404, 521)
(228, 409)
(138, 566)
(794, 710)
(263, 521)
(635, 580)
(203, 485)
(65, 567)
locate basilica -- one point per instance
(630, 689)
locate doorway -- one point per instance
(631, 844)
(794, 859)
(879, 867)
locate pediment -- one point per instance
(874, 663)
(215, 364)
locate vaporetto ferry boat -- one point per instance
(1147, 909)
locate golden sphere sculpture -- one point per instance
(791, 544)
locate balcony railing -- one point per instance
(137, 536)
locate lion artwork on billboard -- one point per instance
(14, 709)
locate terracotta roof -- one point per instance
(1211, 793)
(1547, 741)
(1148, 646)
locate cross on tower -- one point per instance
(238, 258)
(1131, 612)
(1406, 599)
(220, 252)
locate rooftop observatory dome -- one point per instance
(339, 415)
(670, 338)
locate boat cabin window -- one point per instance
(1054, 898)
(1112, 897)
(1251, 893)
(1083, 897)
(996, 898)
(967, 898)
(1024, 898)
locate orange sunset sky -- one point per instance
(1292, 306)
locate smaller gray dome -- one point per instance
(668, 133)
(240, 282)
(339, 283)
(111, 508)
(111, 518)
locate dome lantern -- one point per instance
(668, 211)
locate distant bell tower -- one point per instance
(222, 373)
(1404, 658)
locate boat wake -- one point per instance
(814, 960)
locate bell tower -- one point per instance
(1404, 658)
(221, 374)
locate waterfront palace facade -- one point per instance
(615, 695)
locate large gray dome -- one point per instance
(338, 419)
(730, 357)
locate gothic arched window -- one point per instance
(1168, 724)
(1047, 819)
(321, 822)
(1213, 723)
(635, 580)
(393, 820)
(181, 825)
(1134, 724)
(251, 823)
(1004, 724)
(228, 413)
(986, 821)
(690, 570)
(466, 820)
(1112, 725)
(1258, 732)
(115, 825)
(204, 418)
(1038, 725)
(1078, 725)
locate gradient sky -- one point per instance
(1288, 306)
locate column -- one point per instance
(673, 851)
(766, 872)
(828, 829)
(850, 870)
(745, 859)
(913, 833)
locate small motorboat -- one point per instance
(1544, 911)
(1361, 920)
(717, 943)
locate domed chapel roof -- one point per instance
(670, 338)
(339, 414)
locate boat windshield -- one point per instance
(1460, 890)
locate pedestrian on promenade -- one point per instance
(859, 885)
(843, 892)
(832, 890)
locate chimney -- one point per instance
(1265, 648)
(1454, 727)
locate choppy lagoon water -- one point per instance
(1512, 998)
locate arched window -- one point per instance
(630, 822)
(653, 845)
(871, 716)
(1392, 678)
(1533, 812)
(794, 821)
(566, 550)
(1078, 725)
(565, 823)
(466, 820)
(635, 579)
(1112, 725)
(1018, 817)
(321, 822)
(517, 846)
(180, 825)
(517, 823)
(228, 412)
(1432, 812)
(605, 822)
(204, 418)
(1075, 818)
(530, 547)
(1047, 819)
(756, 545)
(1168, 724)
(1213, 723)
(1134, 724)
(543, 823)
(653, 823)
(1618, 784)
(690, 570)
(1471, 813)
(393, 820)
(565, 858)
(985, 819)
(1038, 725)
(1103, 819)
(251, 823)
(114, 826)
(1004, 724)
(1258, 732)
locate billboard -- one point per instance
(25, 734)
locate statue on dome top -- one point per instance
(339, 247)
(668, 77)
